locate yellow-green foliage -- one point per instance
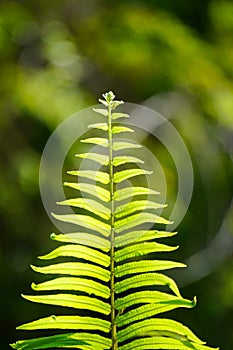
(109, 271)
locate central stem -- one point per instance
(111, 186)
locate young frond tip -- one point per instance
(109, 100)
(109, 96)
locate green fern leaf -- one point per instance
(140, 236)
(63, 340)
(143, 297)
(96, 157)
(100, 141)
(165, 343)
(134, 206)
(147, 279)
(141, 249)
(127, 174)
(100, 126)
(103, 112)
(97, 341)
(145, 266)
(139, 219)
(120, 129)
(126, 159)
(98, 176)
(85, 221)
(90, 205)
(120, 145)
(68, 322)
(96, 191)
(72, 301)
(83, 238)
(152, 309)
(108, 272)
(74, 284)
(162, 326)
(129, 192)
(79, 252)
(119, 115)
(75, 269)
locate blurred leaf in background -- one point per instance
(173, 56)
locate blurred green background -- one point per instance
(58, 57)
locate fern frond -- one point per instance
(111, 270)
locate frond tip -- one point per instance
(109, 272)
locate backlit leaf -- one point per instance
(79, 252)
(129, 192)
(104, 112)
(98, 176)
(100, 126)
(120, 129)
(119, 115)
(146, 279)
(85, 221)
(127, 174)
(100, 141)
(72, 301)
(96, 191)
(141, 249)
(90, 205)
(126, 159)
(134, 206)
(145, 266)
(68, 322)
(75, 269)
(74, 284)
(151, 309)
(139, 219)
(120, 145)
(162, 325)
(96, 157)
